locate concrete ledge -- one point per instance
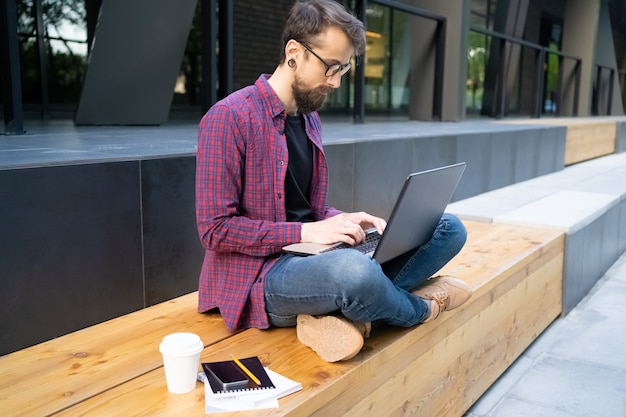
(587, 138)
(91, 242)
(587, 201)
(377, 157)
(582, 208)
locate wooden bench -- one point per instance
(63, 372)
(439, 368)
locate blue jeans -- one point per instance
(354, 284)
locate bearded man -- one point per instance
(261, 184)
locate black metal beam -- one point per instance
(577, 75)
(226, 40)
(609, 107)
(501, 101)
(42, 58)
(622, 83)
(559, 89)
(10, 67)
(359, 71)
(440, 53)
(208, 95)
(410, 9)
(540, 59)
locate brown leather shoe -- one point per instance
(444, 293)
(333, 338)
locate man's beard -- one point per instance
(309, 100)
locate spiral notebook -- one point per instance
(256, 400)
(226, 378)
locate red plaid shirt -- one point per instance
(240, 203)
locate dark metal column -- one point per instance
(10, 61)
(359, 71)
(609, 107)
(540, 60)
(559, 91)
(43, 58)
(440, 53)
(577, 75)
(622, 83)
(226, 19)
(208, 9)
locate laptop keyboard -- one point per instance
(367, 246)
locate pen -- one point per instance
(246, 370)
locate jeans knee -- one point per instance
(352, 270)
(455, 229)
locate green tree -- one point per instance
(476, 55)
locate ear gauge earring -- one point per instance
(291, 63)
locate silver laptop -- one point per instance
(414, 218)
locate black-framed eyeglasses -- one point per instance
(330, 69)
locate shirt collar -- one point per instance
(270, 96)
(276, 106)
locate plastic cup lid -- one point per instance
(181, 344)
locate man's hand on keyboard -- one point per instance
(367, 221)
(344, 227)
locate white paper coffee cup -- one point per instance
(181, 358)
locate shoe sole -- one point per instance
(332, 338)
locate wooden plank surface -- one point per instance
(507, 266)
(467, 349)
(456, 371)
(495, 251)
(57, 374)
(587, 141)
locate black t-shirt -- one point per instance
(299, 171)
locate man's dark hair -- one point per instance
(309, 18)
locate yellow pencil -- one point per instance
(246, 370)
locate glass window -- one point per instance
(387, 65)
(52, 62)
(481, 16)
(476, 63)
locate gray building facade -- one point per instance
(143, 62)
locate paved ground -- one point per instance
(576, 368)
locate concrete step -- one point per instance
(587, 201)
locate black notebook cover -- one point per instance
(227, 377)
